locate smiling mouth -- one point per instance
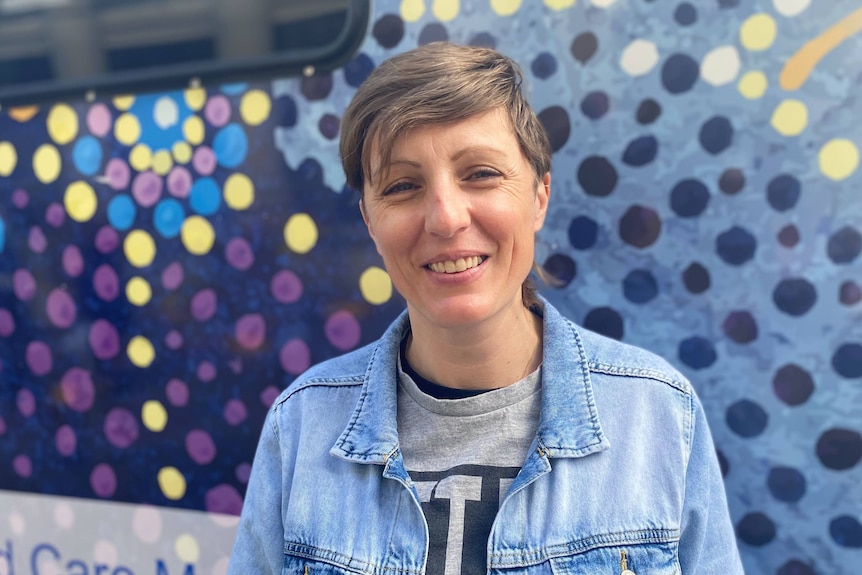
(456, 266)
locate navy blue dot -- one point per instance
(795, 567)
(794, 296)
(640, 226)
(583, 232)
(640, 286)
(783, 192)
(755, 529)
(685, 14)
(847, 360)
(648, 111)
(849, 293)
(723, 463)
(388, 30)
(316, 87)
(484, 40)
(844, 245)
(329, 125)
(746, 418)
(788, 236)
(688, 198)
(786, 484)
(544, 65)
(792, 384)
(606, 321)
(597, 176)
(284, 111)
(696, 278)
(846, 531)
(433, 32)
(309, 170)
(716, 134)
(358, 69)
(736, 246)
(839, 449)
(697, 352)
(595, 105)
(641, 151)
(679, 73)
(724, 4)
(562, 268)
(740, 326)
(584, 46)
(555, 119)
(732, 181)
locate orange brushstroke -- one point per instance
(23, 113)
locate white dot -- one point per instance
(720, 65)
(187, 549)
(790, 8)
(105, 552)
(16, 522)
(220, 567)
(639, 57)
(166, 113)
(147, 523)
(603, 3)
(64, 517)
(47, 565)
(223, 519)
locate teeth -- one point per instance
(459, 265)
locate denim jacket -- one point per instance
(622, 465)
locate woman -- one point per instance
(483, 432)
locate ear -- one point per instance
(543, 196)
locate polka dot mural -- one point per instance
(176, 259)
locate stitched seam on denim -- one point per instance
(689, 430)
(585, 374)
(639, 372)
(323, 382)
(360, 405)
(339, 560)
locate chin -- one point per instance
(458, 311)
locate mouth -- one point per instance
(456, 266)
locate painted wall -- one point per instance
(169, 262)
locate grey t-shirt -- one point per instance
(463, 455)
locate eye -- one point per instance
(483, 174)
(398, 187)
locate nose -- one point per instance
(447, 210)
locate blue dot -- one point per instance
(783, 192)
(786, 484)
(685, 14)
(234, 89)
(794, 296)
(87, 155)
(583, 232)
(746, 418)
(205, 196)
(844, 245)
(230, 146)
(740, 326)
(736, 246)
(640, 286)
(679, 73)
(795, 567)
(847, 360)
(433, 32)
(756, 529)
(716, 134)
(121, 212)
(640, 151)
(562, 268)
(484, 40)
(689, 197)
(597, 176)
(168, 217)
(544, 65)
(595, 105)
(839, 448)
(605, 321)
(846, 531)
(358, 69)
(697, 352)
(285, 111)
(2, 234)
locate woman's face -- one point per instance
(454, 216)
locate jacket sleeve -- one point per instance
(707, 542)
(259, 544)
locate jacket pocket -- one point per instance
(318, 562)
(637, 559)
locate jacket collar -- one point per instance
(568, 425)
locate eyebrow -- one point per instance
(455, 157)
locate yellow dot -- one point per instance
(23, 113)
(445, 10)
(140, 249)
(254, 107)
(46, 163)
(138, 291)
(753, 84)
(195, 98)
(300, 233)
(197, 235)
(172, 483)
(140, 351)
(8, 158)
(758, 32)
(838, 159)
(187, 549)
(238, 191)
(193, 130)
(154, 416)
(80, 201)
(559, 4)
(62, 124)
(182, 152)
(124, 102)
(505, 7)
(141, 157)
(412, 10)
(127, 129)
(790, 118)
(162, 162)
(375, 285)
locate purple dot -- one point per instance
(26, 402)
(217, 111)
(177, 392)
(106, 283)
(73, 261)
(61, 308)
(2, 426)
(174, 339)
(104, 339)
(121, 427)
(206, 371)
(223, 499)
(204, 304)
(23, 284)
(172, 276)
(179, 182)
(118, 173)
(38, 358)
(76, 387)
(99, 120)
(147, 189)
(37, 240)
(22, 466)
(107, 240)
(342, 330)
(204, 160)
(20, 199)
(286, 287)
(65, 440)
(243, 472)
(295, 357)
(235, 365)
(239, 254)
(269, 395)
(235, 412)
(103, 480)
(55, 215)
(7, 323)
(250, 331)
(200, 446)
